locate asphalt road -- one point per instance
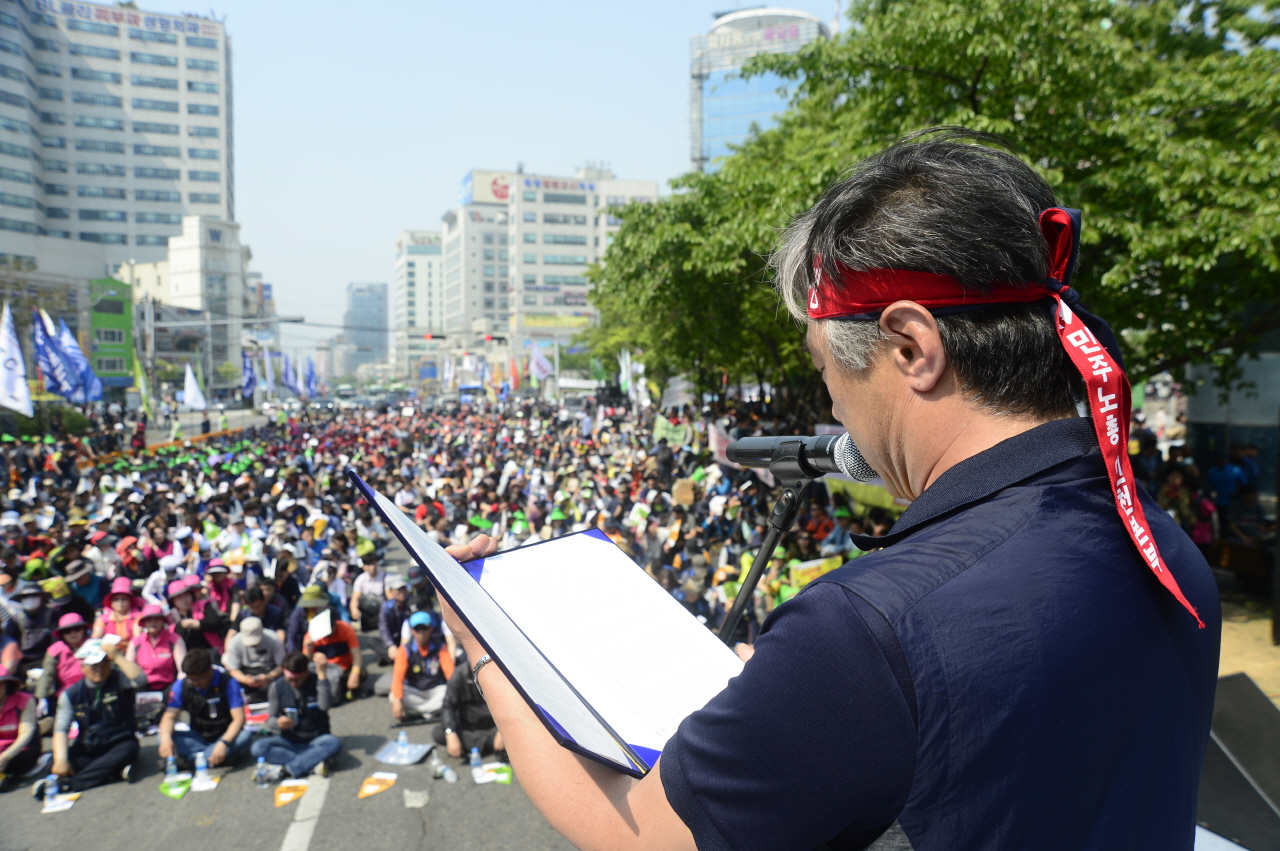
(158, 433)
(237, 815)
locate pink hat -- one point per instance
(178, 586)
(70, 621)
(121, 585)
(191, 582)
(151, 610)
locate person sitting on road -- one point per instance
(61, 668)
(367, 592)
(253, 658)
(299, 715)
(465, 720)
(341, 646)
(19, 743)
(214, 703)
(102, 706)
(256, 606)
(422, 670)
(118, 616)
(31, 626)
(157, 649)
(391, 617)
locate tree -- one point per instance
(1157, 119)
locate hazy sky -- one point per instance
(355, 121)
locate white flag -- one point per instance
(15, 393)
(191, 395)
(539, 367)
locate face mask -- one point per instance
(32, 604)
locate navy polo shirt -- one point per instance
(1006, 673)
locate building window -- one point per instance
(531, 300)
(109, 335)
(202, 153)
(563, 198)
(103, 216)
(100, 123)
(97, 168)
(53, 142)
(206, 132)
(531, 258)
(95, 76)
(100, 147)
(157, 218)
(96, 52)
(157, 195)
(46, 70)
(530, 195)
(205, 88)
(488, 239)
(45, 44)
(110, 364)
(488, 255)
(154, 59)
(91, 27)
(154, 82)
(49, 94)
(157, 151)
(148, 35)
(530, 217)
(99, 192)
(49, 188)
(563, 219)
(502, 304)
(564, 259)
(201, 65)
(9, 200)
(563, 239)
(152, 240)
(204, 198)
(531, 237)
(19, 176)
(96, 100)
(206, 176)
(157, 105)
(57, 213)
(60, 165)
(197, 41)
(150, 127)
(201, 109)
(105, 238)
(488, 285)
(531, 279)
(565, 280)
(158, 173)
(488, 304)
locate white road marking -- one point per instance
(298, 837)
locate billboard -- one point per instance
(487, 187)
(554, 320)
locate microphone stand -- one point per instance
(787, 469)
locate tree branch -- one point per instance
(973, 89)
(1268, 321)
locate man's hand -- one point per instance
(453, 742)
(321, 662)
(219, 753)
(744, 651)
(353, 679)
(62, 768)
(189, 623)
(166, 748)
(284, 722)
(397, 708)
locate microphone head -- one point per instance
(850, 460)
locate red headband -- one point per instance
(864, 294)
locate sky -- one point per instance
(355, 121)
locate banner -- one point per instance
(60, 375)
(268, 378)
(515, 375)
(90, 383)
(248, 380)
(807, 571)
(289, 378)
(539, 367)
(144, 389)
(311, 377)
(15, 393)
(676, 435)
(192, 396)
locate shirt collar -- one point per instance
(989, 472)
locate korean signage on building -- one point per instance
(486, 187)
(127, 17)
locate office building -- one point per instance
(417, 298)
(365, 325)
(517, 251)
(114, 124)
(110, 348)
(723, 110)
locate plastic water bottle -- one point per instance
(202, 766)
(477, 767)
(51, 786)
(260, 773)
(170, 768)
(449, 775)
(402, 743)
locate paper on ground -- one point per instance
(628, 646)
(60, 803)
(379, 781)
(289, 791)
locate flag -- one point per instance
(311, 377)
(446, 375)
(60, 376)
(268, 379)
(624, 372)
(90, 383)
(144, 389)
(289, 378)
(539, 367)
(248, 379)
(192, 397)
(515, 375)
(597, 371)
(15, 393)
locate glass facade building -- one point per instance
(724, 107)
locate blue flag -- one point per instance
(289, 378)
(90, 384)
(60, 375)
(249, 380)
(311, 377)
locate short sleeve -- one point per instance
(235, 695)
(814, 739)
(175, 695)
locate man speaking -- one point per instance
(1030, 660)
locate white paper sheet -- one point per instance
(321, 626)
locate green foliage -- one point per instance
(1158, 120)
(228, 371)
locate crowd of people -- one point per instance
(226, 595)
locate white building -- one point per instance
(516, 253)
(115, 123)
(417, 298)
(206, 270)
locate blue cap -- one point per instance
(422, 619)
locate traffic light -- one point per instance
(488, 338)
(433, 336)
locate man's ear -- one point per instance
(915, 345)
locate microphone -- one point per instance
(825, 453)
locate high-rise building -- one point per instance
(417, 297)
(365, 324)
(115, 123)
(724, 109)
(516, 253)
